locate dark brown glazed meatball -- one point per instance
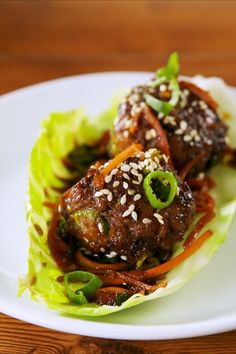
(116, 220)
(193, 128)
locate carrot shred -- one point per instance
(187, 168)
(174, 262)
(124, 155)
(163, 142)
(89, 264)
(198, 227)
(49, 205)
(204, 95)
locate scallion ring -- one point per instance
(80, 296)
(165, 199)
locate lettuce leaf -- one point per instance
(60, 132)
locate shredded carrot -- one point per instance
(205, 219)
(161, 134)
(89, 264)
(124, 155)
(204, 95)
(49, 204)
(174, 262)
(187, 168)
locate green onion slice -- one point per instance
(166, 191)
(80, 295)
(168, 75)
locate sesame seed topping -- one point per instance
(131, 207)
(163, 88)
(116, 184)
(146, 221)
(126, 133)
(100, 227)
(123, 199)
(59, 208)
(194, 103)
(134, 215)
(85, 239)
(102, 249)
(126, 176)
(203, 105)
(137, 197)
(124, 258)
(112, 254)
(190, 110)
(109, 197)
(140, 177)
(159, 218)
(161, 115)
(134, 165)
(178, 132)
(183, 125)
(125, 185)
(114, 171)
(98, 194)
(125, 168)
(187, 138)
(126, 213)
(105, 191)
(150, 134)
(134, 172)
(169, 120)
(131, 191)
(108, 178)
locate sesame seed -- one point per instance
(108, 178)
(183, 125)
(114, 171)
(128, 123)
(116, 184)
(98, 194)
(126, 133)
(131, 191)
(123, 199)
(126, 213)
(197, 138)
(134, 165)
(105, 191)
(140, 177)
(131, 207)
(126, 176)
(100, 227)
(125, 185)
(102, 249)
(190, 110)
(165, 158)
(150, 134)
(201, 175)
(136, 182)
(186, 92)
(125, 168)
(112, 254)
(109, 197)
(179, 132)
(134, 172)
(85, 239)
(161, 115)
(159, 218)
(137, 197)
(59, 208)
(169, 120)
(194, 103)
(134, 215)
(163, 88)
(124, 258)
(146, 221)
(187, 138)
(203, 105)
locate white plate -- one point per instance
(205, 305)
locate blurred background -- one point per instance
(42, 40)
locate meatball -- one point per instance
(115, 220)
(193, 129)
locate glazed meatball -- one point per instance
(193, 129)
(115, 220)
